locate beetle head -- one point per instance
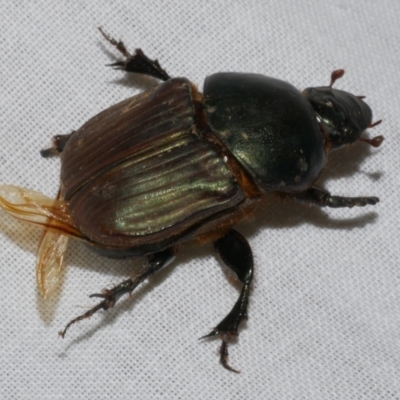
(345, 115)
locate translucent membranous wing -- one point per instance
(51, 214)
(50, 261)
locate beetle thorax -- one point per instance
(268, 126)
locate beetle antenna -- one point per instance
(335, 75)
(374, 142)
(361, 97)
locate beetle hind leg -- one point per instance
(236, 253)
(138, 62)
(110, 297)
(58, 144)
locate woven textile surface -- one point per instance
(324, 314)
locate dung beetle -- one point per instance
(173, 165)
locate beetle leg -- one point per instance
(320, 197)
(110, 297)
(59, 142)
(138, 62)
(236, 253)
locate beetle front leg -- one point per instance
(155, 263)
(138, 62)
(236, 253)
(320, 197)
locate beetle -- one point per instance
(173, 165)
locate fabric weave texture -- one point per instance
(324, 315)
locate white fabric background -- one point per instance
(325, 307)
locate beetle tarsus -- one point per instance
(224, 355)
(87, 314)
(156, 262)
(338, 201)
(118, 44)
(322, 198)
(223, 350)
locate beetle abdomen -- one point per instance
(146, 175)
(268, 126)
